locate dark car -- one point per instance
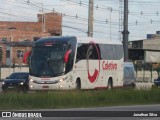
(157, 81)
(16, 81)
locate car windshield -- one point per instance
(48, 61)
(18, 76)
(129, 73)
(158, 79)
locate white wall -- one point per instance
(7, 71)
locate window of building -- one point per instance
(19, 53)
(7, 53)
(4, 39)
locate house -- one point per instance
(16, 37)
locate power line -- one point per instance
(141, 16)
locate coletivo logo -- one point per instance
(109, 65)
(94, 77)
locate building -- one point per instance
(146, 53)
(15, 36)
(147, 50)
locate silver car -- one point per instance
(129, 74)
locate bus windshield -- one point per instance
(47, 61)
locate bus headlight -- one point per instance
(62, 79)
(31, 80)
(21, 83)
(3, 83)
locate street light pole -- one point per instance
(110, 9)
(125, 31)
(90, 18)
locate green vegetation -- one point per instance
(84, 98)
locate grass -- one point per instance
(84, 98)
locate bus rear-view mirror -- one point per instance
(26, 57)
(66, 56)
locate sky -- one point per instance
(144, 16)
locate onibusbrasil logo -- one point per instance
(92, 78)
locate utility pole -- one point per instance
(125, 31)
(43, 16)
(43, 19)
(120, 19)
(90, 18)
(110, 9)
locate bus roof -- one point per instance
(79, 40)
(57, 39)
(102, 41)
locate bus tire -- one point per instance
(110, 85)
(78, 84)
(133, 85)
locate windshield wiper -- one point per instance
(45, 67)
(62, 73)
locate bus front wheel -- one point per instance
(78, 84)
(109, 86)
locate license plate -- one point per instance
(45, 87)
(10, 87)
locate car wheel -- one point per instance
(25, 89)
(133, 85)
(4, 90)
(18, 89)
(78, 84)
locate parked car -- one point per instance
(16, 81)
(129, 74)
(157, 81)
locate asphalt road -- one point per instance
(114, 111)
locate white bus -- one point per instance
(63, 63)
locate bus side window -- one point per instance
(78, 57)
(81, 52)
(93, 52)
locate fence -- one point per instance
(146, 76)
(147, 72)
(144, 73)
